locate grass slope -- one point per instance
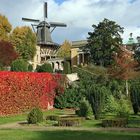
(66, 135)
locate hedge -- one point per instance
(70, 121)
(118, 122)
(22, 91)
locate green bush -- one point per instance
(1, 67)
(46, 67)
(83, 109)
(96, 97)
(30, 68)
(71, 98)
(67, 68)
(52, 117)
(19, 65)
(111, 104)
(123, 109)
(135, 96)
(120, 122)
(35, 116)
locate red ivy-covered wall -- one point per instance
(21, 91)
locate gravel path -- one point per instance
(23, 125)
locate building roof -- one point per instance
(78, 44)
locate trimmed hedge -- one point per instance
(52, 117)
(69, 121)
(22, 91)
(120, 122)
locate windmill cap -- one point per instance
(41, 24)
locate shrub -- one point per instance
(52, 117)
(71, 98)
(83, 109)
(35, 116)
(69, 121)
(120, 122)
(111, 104)
(67, 67)
(30, 68)
(123, 109)
(135, 96)
(19, 65)
(96, 97)
(46, 67)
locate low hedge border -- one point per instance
(119, 122)
(69, 121)
(53, 117)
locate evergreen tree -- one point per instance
(104, 42)
(67, 68)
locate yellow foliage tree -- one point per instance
(5, 28)
(24, 41)
(65, 50)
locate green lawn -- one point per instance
(66, 135)
(22, 117)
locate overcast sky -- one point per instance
(79, 15)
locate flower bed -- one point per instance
(21, 91)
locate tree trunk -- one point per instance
(126, 86)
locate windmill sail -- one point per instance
(30, 20)
(45, 10)
(57, 24)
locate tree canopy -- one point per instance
(64, 50)
(24, 41)
(104, 41)
(7, 53)
(5, 28)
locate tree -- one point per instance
(24, 41)
(104, 41)
(96, 97)
(19, 65)
(135, 96)
(5, 28)
(7, 53)
(67, 68)
(46, 67)
(65, 50)
(124, 67)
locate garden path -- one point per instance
(23, 125)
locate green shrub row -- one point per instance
(120, 122)
(69, 121)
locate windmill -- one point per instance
(47, 49)
(43, 28)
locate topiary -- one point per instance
(46, 67)
(19, 65)
(35, 116)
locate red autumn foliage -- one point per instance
(7, 53)
(21, 91)
(125, 65)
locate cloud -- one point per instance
(79, 15)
